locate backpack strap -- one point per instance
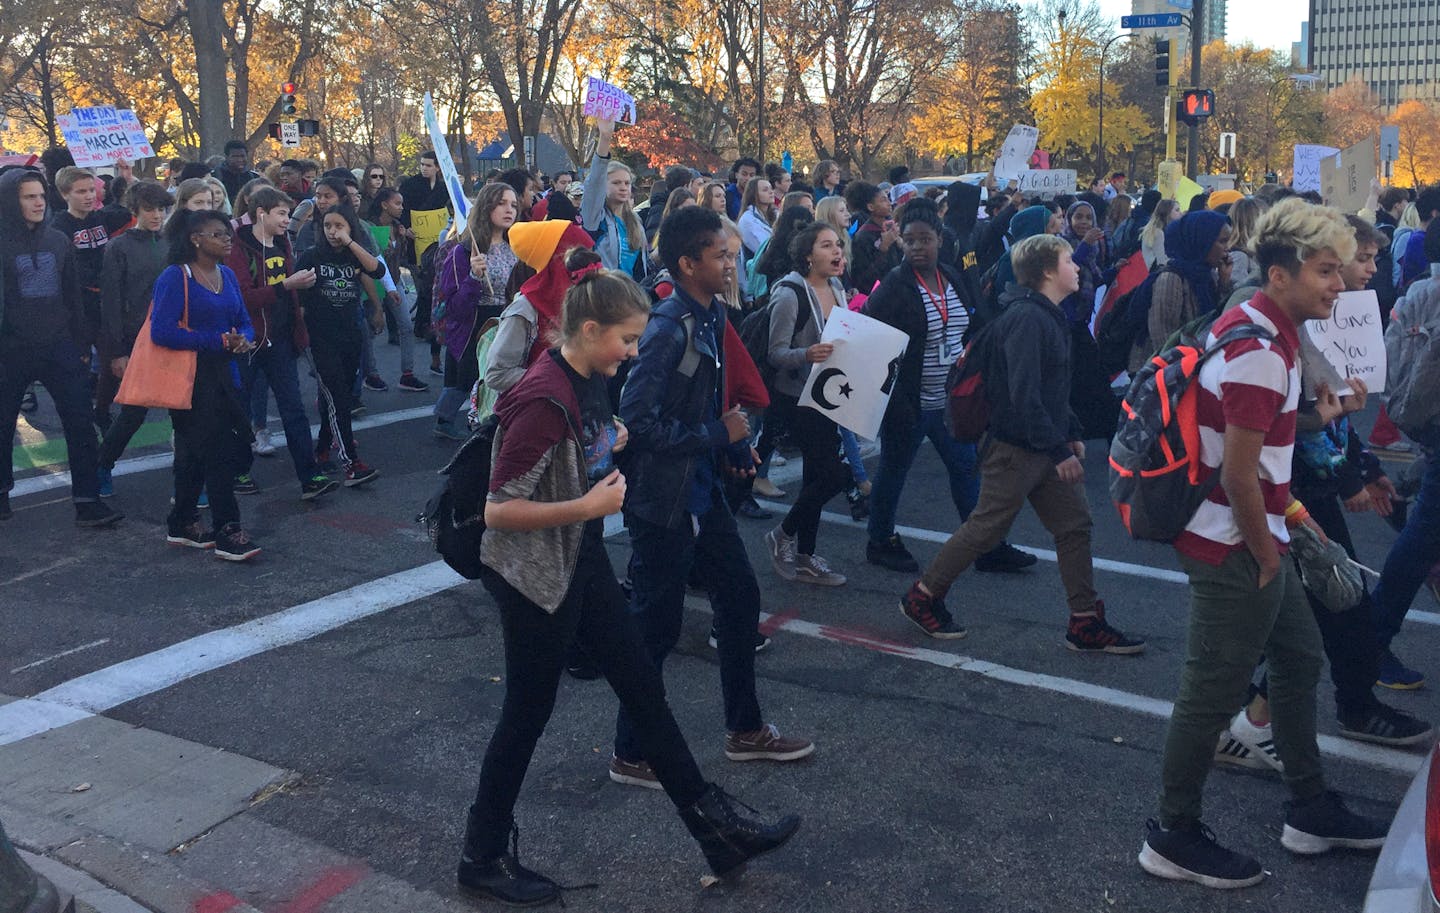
(690, 361)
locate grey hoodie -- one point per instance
(40, 301)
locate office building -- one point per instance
(1394, 45)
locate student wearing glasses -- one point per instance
(375, 180)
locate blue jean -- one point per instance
(851, 445)
(276, 365)
(660, 564)
(897, 455)
(259, 402)
(1410, 558)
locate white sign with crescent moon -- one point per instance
(852, 386)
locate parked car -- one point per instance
(1409, 865)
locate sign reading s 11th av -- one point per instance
(1152, 21)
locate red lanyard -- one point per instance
(938, 301)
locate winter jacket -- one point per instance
(233, 180)
(898, 302)
(469, 302)
(40, 303)
(868, 263)
(274, 310)
(420, 196)
(540, 563)
(133, 262)
(1027, 375)
(664, 403)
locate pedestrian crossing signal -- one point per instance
(1196, 105)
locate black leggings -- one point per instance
(594, 612)
(336, 351)
(824, 474)
(212, 438)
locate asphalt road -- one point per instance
(1001, 772)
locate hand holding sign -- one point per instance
(604, 101)
(852, 385)
(1352, 341)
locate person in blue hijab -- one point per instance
(1186, 287)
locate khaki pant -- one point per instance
(1009, 476)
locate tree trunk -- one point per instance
(206, 18)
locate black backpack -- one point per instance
(754, 331)
(454, 517)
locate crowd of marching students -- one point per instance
(649, 360)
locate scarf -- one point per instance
(1187, 244)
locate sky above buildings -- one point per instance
(1266, 23)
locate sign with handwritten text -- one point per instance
(1014, 157)
(606, 102)
(1048, 184)
(103, 135)
(1307, 166)
(1352, 340)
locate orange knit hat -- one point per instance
(535, 242)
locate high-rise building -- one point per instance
(1394, 45)
(1212, 26)
(1300, 50)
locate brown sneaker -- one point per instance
(634, 773)
(765, 744)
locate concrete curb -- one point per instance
(108, 875)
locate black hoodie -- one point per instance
(40, 301)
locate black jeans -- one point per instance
(57, 366)
(594, 612)
(336, 353)
(824, 474)
(660, 564)
(118, 435)
(1349, 636)
(212, 438)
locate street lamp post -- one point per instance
(1104, 49)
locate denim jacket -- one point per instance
(663, 405)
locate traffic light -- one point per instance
(1162, 61)
(287, 97)
(1196, 105)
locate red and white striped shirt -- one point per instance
(1252, 384)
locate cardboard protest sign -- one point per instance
(606, 102)
(428, 224)
(1345, 178)
(1185, 191)
(1014, 157)
(1047, 184)
(458, 200)
(1306, 175)
(1352, 340)
(100, 136)
(1167, 180)
(852, 387)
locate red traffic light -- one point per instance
(288, 88)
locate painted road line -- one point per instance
(140, 676)
(61, 479)
(61, 655)
(135, 678)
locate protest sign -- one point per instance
(852, 387)
(1167, 180)
(1047, 184)
(1352, 340)
(427, 225)
(1306, 175)
(381, 234)
(447, 166)
(1185, 191)
(100, 136)
(1345, 178)
(1014, 157)
(606, 102)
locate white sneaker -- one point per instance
(1258, 739)
(766, 489)
(1229, 751)
(263, 446)
(777, 460)
(816, 570)
(782, 553)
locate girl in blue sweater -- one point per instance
(198, 290)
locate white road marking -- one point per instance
(126, 681)
(140, 676)
(61, 655)
(61, 478)
(36, 572)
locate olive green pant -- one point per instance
(1232, 624)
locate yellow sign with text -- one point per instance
(427, 225)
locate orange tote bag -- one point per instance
(157, 377)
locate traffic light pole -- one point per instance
(1192, 143)
(21, 890)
